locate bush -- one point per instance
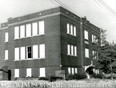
(54, 78)
(76, 76)
(100, 76)
(43, 78)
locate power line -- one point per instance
(107, 7)
(65, 6)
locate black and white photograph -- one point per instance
(57, 44)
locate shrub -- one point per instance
(76, 76)
(54, 78)
(100, 76)
(43, 78)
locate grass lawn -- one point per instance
(92, 83)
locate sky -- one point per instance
(101, 13)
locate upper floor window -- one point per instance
(68, 29)
(94, 54)
(6, 54)
(86, 53)
(86, 35)
(16, 53)
(94, 39)
(22, 31)
(29, 52)
(28, 30)
(35, 51)
(22, 53)
(71, 29)
(34, 29)
(41, 28)
(42, 51)
(71, 50)
(6, 37)
(16, 32)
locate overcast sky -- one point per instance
(94, 10)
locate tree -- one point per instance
(107, 59)
(103, 37)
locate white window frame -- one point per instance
(41, 27)
(68, 28)
(72, 50)
(6, 55)
(6, 37)
(86, 53)
(73, 71)
(22, 31)
(76, 70)
(16, 73)
(28, 30)
(86, 35)
(71, 29)
(34, 28)
(75, 34)
(16, 54)
(68, 49)
(42, 72)
(22, 53)
(42, 51)
(69, 70)
(16, 32)
(75, 50)
(35, 51)
(29, 72)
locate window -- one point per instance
(69, 70)
(42, 72)
(16, 73)
(6, 54)
(34, 29)
(87, 53)
(6, 37)
(68, 49)
(94, 39)
(16, 53)
(29, 52)
(71, 28)
(72, 70)
(16, 32)
(94, 54)
(41, 28)
(28, 30)
(28, 72)
(75, 51)
(68, 32)
(42, 51)
(22, 52)
(76, 71)
(72, 50)
(75, 31)
(22, 31)
(35, 51)
(86, 34)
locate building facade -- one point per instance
(38, 44)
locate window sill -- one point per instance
(30, 59)
(29, 37)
